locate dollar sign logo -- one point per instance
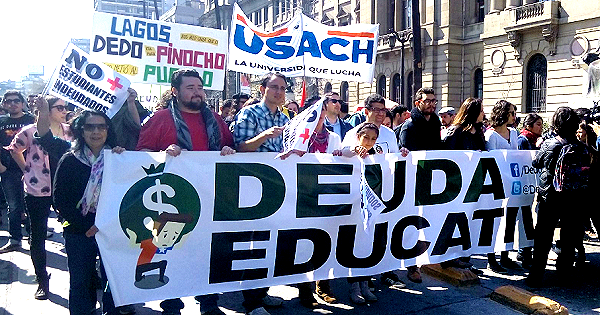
(159, 206)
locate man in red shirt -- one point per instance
(187, 124)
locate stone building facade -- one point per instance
(525, 51)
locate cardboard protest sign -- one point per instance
(203, 223)
(149, 51)
(88, 84)
(303, 47)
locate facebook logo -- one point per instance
(516, 188)
(514, 169)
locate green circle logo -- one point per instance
(157, 213)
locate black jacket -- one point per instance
(545, 159)
(69, 185)
(456, 139)
(418, 133)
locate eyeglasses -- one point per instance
(377, 110)
(59, 108)
(334, 101)
(432, 101)
(93, 127)
(12, 100)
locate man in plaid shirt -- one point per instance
(259, 127)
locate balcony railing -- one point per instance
(529, 11)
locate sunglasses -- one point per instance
(334, 101)
(93, 127)
(12, 100)
(60, 108)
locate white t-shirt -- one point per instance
(334, 142)
(386, 142)
(494, 141)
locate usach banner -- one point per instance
(303, 47)
(202, 223)
(87, 83)
(149, 51)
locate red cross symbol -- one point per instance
(114, 83)
(305, 135)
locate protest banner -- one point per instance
(303, 47)
(202, 223)
(86, 83)
(149, 51)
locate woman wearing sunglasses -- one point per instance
(34, 161)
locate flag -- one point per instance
(303, 99)
(297, 133)
(371, 205)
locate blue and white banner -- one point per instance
(303, 47)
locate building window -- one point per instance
(409, 90)
(395, 88)
(381, 86)
(328, 88)
(536, 84)
(478, 84)
(480, 10)
(407, 12)
(344, 93)
(266, 14)
(275, 11)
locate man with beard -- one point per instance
(421, 132)
(12, 183)
(187, 124)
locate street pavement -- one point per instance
(581, 295)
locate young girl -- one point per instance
(366, 137)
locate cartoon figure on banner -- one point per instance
(157, 214)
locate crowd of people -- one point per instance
(52, 161)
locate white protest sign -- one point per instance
(303, 47)
(241, 221)
(88, 84)
(149, 51)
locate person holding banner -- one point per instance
(187, 124)
(77, 185)
(33, 159)
(502, 137)
(385, 142)
(259, 128)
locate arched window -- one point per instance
(536, 84)
(409, 90)
(344, 91)
(478, 84)
(381, 86)
(328, 88)
(395, 88)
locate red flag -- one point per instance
(303, 93)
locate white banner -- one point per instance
(298, 132)
(202, 223)
(88, 84)
(149, 51)
(303, 47)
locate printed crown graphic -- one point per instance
(154, 169)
